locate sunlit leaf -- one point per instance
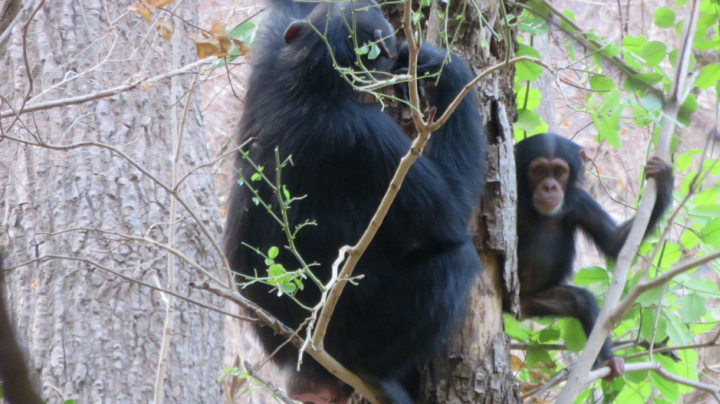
(693, 307)
(664, 17)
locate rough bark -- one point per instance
(89, 335)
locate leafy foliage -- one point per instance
(687, 307)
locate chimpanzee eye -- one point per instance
(559, 171)
(538, 171)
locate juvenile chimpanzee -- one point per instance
(418, 269)
(551, 207)
(14, 378)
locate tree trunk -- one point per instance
(91, 335)
(476, 368)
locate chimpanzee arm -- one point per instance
(609, 237)
(567, 301)
(459, 147)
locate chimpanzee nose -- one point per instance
(549, 187)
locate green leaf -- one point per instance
(652, 102)
(533, 98)
(677, 331)
(256, 177)
(610, 101)
(688, 107)
(244, 32)
(276, 270)
(69, 402)
(717, 90)
(647, 325)
(273, 252)
(704, 287)
(666, 388)
(649, 298)
(549, 334)
(527, 71)
(573, 335)
(709, 76)
(286, 193)
(693, 307)
(689, 239)
(633, 43)
(589, 275)
(664, 18)
(711, 232)
(535, 355)
(601, 83)
(653, 52)
(514, 329)
(672, 56)
(527, 120)
(670, 255)
(374, 51)
(287, 287)
(634, 394)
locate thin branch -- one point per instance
(151, 241)
(269, 386)
(102, 94)
(133, 280)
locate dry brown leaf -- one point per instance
(145, 85)
(35, 284)
(539, 375)
(527, 387)
(515, 363)
(158, 3)
(244, 48)
(205, 45)
(164, 29)
(547, 365)
(141, 9)
(220, 33)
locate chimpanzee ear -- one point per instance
(583, 156)
(292, 31)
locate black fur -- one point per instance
(419, 267)
(14, 378)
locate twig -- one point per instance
(133, 280)
(101, 94)
(603, 326)
(177, 138)
(269, 386)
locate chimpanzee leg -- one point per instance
(567, 301)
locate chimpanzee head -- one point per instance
(548, 170)
(335, 23)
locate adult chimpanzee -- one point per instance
(418, 269)
(551, 207)
(14, 378)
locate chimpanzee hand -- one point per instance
(454, 74)
(617, 368)
(659, 169)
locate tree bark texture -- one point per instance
(476, 368)
(90, 335)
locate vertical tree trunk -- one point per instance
(90, 335)
(476, 368)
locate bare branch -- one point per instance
(102, 94)
(133, 280)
